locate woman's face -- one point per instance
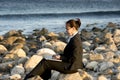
(69, 30)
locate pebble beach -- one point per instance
(19, 53)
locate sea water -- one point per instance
(28, 15)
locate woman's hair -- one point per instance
(74, 23)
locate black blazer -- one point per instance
(73, 53)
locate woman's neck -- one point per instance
(74, 32)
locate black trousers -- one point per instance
(44, 67)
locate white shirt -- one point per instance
(71, 36)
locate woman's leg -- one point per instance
(38, 70)
(46, 75)
(44, 65)
(62, 67)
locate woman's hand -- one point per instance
(56, 57)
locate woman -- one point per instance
(71, 58)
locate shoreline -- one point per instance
(87, 27)
(52, 24)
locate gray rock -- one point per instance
(19, 69)
(5, 77)
(92, 65)
(105, 65)
(86, 45)
(7, 66)
(100, 49)
(47, 45)
(46, 53)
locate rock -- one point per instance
(46, 53)
(84, 75)
(32, 62)
(58, 46)
(98, 40)
(32, 45)
(55, 75)
(86, 45)
(118, 46)
(19, 69)
(118, 68)
(52, 34)
(47, 45)
(109, 72)
(116, 36)
(105, 66)
(96, 29)
(74, 76)
(14, 54)
(7, 66)
(84, 51)
(117, 52)
(118, 76)
(110, 42)
(3, 49)
(85, 61)
(96, 57)
(20, 40)
(86, 55)
(86, 35)
(116, 59)
(26, 48)
(30, 37)
(5, 77)
(22, 60)
(1, 38)
(19, 52)
(9, 40)
(92, 65)
(110, 24)
(109, 55)
(15, 77)
(1, 59)
(35, 78)
(43, 31)
(99, 34)
(102, 77)
(42, 38)
(17, 46)
(62, 36)
(13, 33)
(100, 49)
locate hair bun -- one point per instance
(77, 19)
(78, 22)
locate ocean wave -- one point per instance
(95, 13)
